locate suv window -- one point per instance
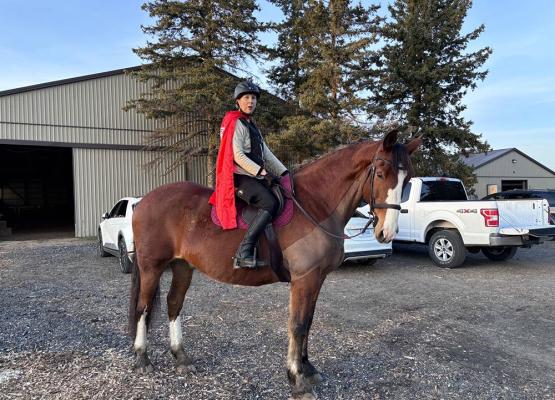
(442, 190)
(122, 210)
(114, 211)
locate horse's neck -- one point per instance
(332, 185)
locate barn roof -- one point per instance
(478, 160)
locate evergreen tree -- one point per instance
(196, 44)
(323, 48)
(423, 72)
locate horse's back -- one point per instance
(163, 214)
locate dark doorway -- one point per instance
(36, 189)
(514, 184)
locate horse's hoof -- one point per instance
(144, 369)
(304, 396)
(183, 369)
(315, 379)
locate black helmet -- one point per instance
(245, 88)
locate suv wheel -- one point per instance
(446, 249)
(100, 247)
(500, 253)
(124, 261)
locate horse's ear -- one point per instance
(413, 145)
(390, 139)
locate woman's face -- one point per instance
(247, 103)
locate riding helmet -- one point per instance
(246, 87)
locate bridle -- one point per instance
(373, 218)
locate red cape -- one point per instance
(224, 195)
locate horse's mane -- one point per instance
(399, 157)
(305, 163)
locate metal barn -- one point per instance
(68, 151)
(507, 169)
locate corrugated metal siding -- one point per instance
(80, 112)
(93, 103)
(101, 177)
(504, 167)
(533, 183)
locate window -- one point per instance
(442, 190)
(514, 184)
(122, 210)
(119, 209)
(406, 193)
(114, 211)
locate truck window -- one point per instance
(406, 193)
(442, 190)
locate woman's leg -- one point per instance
(254, 192)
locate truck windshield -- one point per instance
(442, 190)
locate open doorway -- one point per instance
(514, 184)
(36, 191)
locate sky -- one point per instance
(42, 41)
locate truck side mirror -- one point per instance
(105, 215)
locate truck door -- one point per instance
(405, 218)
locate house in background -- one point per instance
(507, 169)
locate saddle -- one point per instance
(246, 214)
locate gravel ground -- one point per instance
(400, 329)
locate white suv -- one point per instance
(115, 234)
(364, 249)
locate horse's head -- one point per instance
(390, 171)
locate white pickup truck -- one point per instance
(437, 212)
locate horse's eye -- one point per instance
(380, 175)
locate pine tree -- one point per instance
(322, 50)
(196, 44)
(423, 72)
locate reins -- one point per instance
(373, 219)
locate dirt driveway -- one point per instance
(401, 329)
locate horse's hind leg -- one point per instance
(145, 308)
(181, 280)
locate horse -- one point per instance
(172, 223)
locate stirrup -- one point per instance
(240, 263)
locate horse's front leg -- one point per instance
(308, 369)
(303, 296)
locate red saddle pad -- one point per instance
(282, 219)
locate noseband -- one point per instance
(373, 205)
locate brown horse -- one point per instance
(173, 223)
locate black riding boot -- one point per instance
(244, 258)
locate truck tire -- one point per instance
(446, 249)
(499, 253)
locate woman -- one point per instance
(244, 163)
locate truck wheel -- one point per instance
(446, 249)
(499, 253)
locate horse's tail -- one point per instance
(134, 313)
